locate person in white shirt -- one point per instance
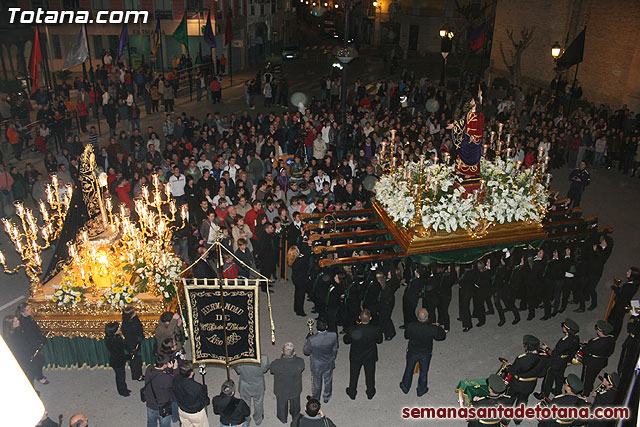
(221, 195)
(204, 163)
(232, 168)
(325, 132)
(321, 178)
(177, 182)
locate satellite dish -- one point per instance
(433, 105)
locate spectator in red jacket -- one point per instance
(251, 216)
(123, 189)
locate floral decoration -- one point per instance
(510, 195)
(67, 296)
(119, 295)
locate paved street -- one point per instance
(615, 199)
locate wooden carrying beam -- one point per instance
(357, 212)
(341, 224)
(327, 262)
(353, 246)
(348, 234)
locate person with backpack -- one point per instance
(233, 411)
(157, 391)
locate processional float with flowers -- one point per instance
(110, 259)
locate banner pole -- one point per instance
(224, 316)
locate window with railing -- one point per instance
(163, 5)
(100, 4)
(132, 4)
(43, 4)
(195, 5)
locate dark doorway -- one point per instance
(414, 30)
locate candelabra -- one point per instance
(139, 237)
(29, 238)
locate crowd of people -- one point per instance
(234, 171)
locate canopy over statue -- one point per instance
(467, 137)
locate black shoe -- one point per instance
(562, 309)
(141, 378)
(479, 324)
(591, 308)
(515, 321)
(352, 396)
(467, 329)
(545, 317)
(401, 326)
(489, 313)
(403, 389)
(538, 396)
(325, 400)
(425, 392)
(370, 396)
(554, 313)
(126, 394)
(530, 317)
(303, 314)
(500, 323)
(579, 310)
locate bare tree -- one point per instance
(513, 65)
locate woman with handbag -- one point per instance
(133, 338)
(157, 391)
(117, 356)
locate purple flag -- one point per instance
(124, 40)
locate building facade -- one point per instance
(253, 24)
(610, 71)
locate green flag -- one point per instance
(180, 33)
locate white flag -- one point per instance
(79, 53)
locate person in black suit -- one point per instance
(287, 382)
(117, 355)
(596, 353)
(420, 335)
(606, 397)
(33, 340)
(629, 355)
(133, 338)
(623, 295)
(298, 259)
(364, 339)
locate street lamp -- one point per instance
(556, 49)
(446, 37)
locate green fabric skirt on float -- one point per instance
(61, 352)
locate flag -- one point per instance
(228, 30)
(180, 33)
(478, 36)
(209, 37)
(157, 38)
(124, 40)
(34, 60)
(79, 53)
(574, 53)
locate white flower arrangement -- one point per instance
(118, 296)
(157, 273)
(510, 195)
(66, 296)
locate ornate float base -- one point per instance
(75, 335)
(418, 241)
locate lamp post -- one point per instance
(446, 37)
(556, 50)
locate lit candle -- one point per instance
(499, 148)
(167, 189)
(155, 180)
(509, 151)
(416, 186)
(518, 163)
(485, 147)
(123, 210)
(183, 212)
(543, 168)
(493, 136)
(546, 160)
(540, 152)
(447, 157)
(482, 184)
(145, 192)
(54, 181)
(2, 260)
(508, 139)
(548, 179)
(19, 208)
(435, 160)
(500, 126)
(109, 204)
